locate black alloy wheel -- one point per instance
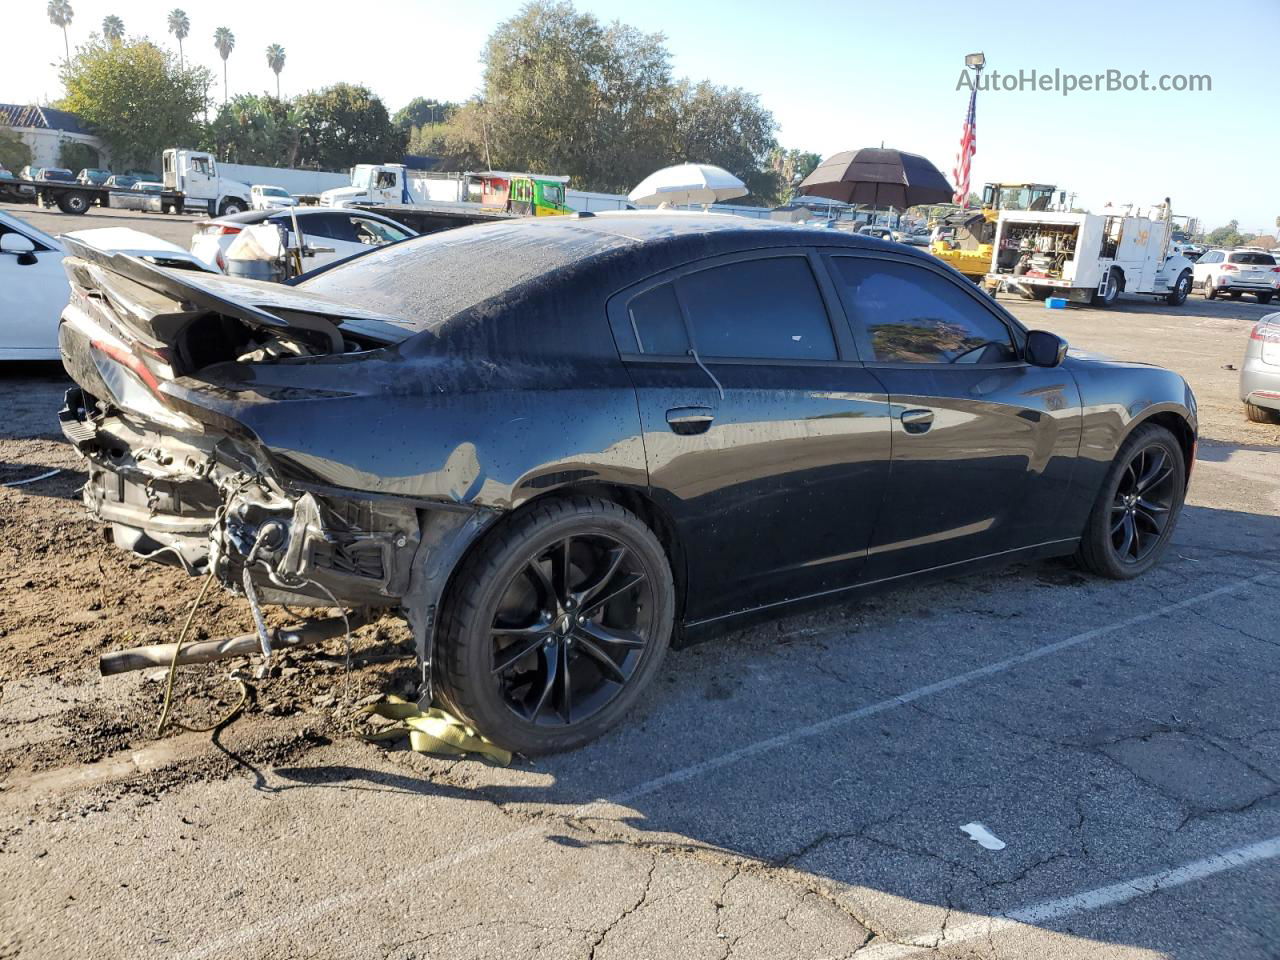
(555, 624)
(571, 628)
(1143, 503)
(1137, 508)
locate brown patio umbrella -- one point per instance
(876, 177)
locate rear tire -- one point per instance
(1258, 414)
(537, 581)
(1138, 506)
(1234, 294)
(1264, 298)
(74, 203)
(1111, 293)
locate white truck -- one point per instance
(1087, 257)
(191, 180)
(374, 184)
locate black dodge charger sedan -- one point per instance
(556, 445)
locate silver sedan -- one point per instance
(1260, 372)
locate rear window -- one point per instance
(758, 309)
(1253, 259)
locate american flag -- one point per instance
(968, 147)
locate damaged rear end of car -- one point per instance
(205, 407)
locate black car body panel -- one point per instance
(518, 370)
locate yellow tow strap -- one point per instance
(431, 731)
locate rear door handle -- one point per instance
(916, 421)
(689, 420)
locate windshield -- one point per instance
(274, 192)
(1025, 198)
(360, 174)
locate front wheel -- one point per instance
(1137, 507)
(1210, 291)
(556, 625)
(229, 207)
(1181, 288)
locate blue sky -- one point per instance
(835, 74)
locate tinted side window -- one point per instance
(912, 315)
(764, 309)
(656, 321)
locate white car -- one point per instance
(1236, 272)
(346, 231)
(34, 288)
(266, 197)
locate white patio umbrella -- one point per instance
(687, 183)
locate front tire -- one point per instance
(1138, 506)
(1181, 288)
(229, 207)
(1210, 291)
(555, 625)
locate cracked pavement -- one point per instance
(1128, 754)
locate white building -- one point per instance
(45, 129)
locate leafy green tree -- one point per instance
(61, 15)
(565, 93)
(346, 124)
(14, 152)
(458, 143)
(112, 28)
(1228, 236)
(225, 41)
(421, 111)
(790, 168)
(255, 129)
(180, 27)
(729, 128)
(275, 60)
(135, 98)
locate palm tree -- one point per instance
(113, 28)
(180, 27)
(60, 14)
(275, 60)
(225, 41)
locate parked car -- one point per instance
(6, 174)
(880, 233)
(1260, 371)
(147, 186)
(557, 444)
(265, 197)
(29, 173)
(1236, 272)
(92, 177)
(56, 173)
(33, 283)
(120, 181)
(148, 175)
(347, 231)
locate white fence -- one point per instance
(295, 181)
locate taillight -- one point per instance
(1275, 269)
(1229, 267)
(1268, 333)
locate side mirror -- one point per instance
(16, 243)
(1044, 349)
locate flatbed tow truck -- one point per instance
(74, 198)
(434, 216)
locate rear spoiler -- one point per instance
(255, 302)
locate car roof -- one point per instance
(257, 216)
(439, 279)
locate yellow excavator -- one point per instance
(963, 239)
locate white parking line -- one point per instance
(1049, 910)
(296, 919)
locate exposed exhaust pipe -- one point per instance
(205, 651)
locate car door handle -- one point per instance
(916, 421)
(689, 420)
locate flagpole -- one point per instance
(968, 139)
